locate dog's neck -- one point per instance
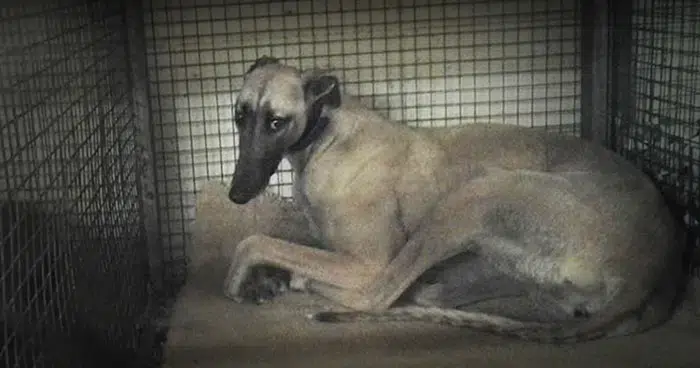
(340, 130)
(312, 132)
(337, 126)
(309, 143)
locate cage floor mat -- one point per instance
(207, 330)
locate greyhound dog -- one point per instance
(525, 233)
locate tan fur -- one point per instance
(389, 201)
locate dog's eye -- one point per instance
(240, 114)
(238, 120)
(277, 123)
(239, 117)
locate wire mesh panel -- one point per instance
(74, 267)
(421, 62)
(660, 121)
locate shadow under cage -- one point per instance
(113, 114)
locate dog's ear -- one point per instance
(320, 91)
(262, 61)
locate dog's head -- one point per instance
(279, 110)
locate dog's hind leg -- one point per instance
(418, 255)
(462, 280)
(436, 240)
(473, 283)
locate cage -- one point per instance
(114, 114)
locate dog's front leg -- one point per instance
(453, 228)
(387, 285)
(345, 273)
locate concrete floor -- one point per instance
(210, 331)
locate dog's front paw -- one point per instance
(263, 284)
(231, 292)
(299, 283)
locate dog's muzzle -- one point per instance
(251, 177)
(239, 197)
(245, 186)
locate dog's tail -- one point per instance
(552, 333)
(624, 319)
(626, 315)
(558, 333)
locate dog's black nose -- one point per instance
(238, 197)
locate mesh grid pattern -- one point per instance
(662, 134)
(73, 257)
(421, 62)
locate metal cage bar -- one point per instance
(74, 277)
(640, 93)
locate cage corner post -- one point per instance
(136, 44)
(606, 43)
(623, 103)
(595, 63)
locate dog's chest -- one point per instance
(320, 197)
(328, 184)
(301, 197)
